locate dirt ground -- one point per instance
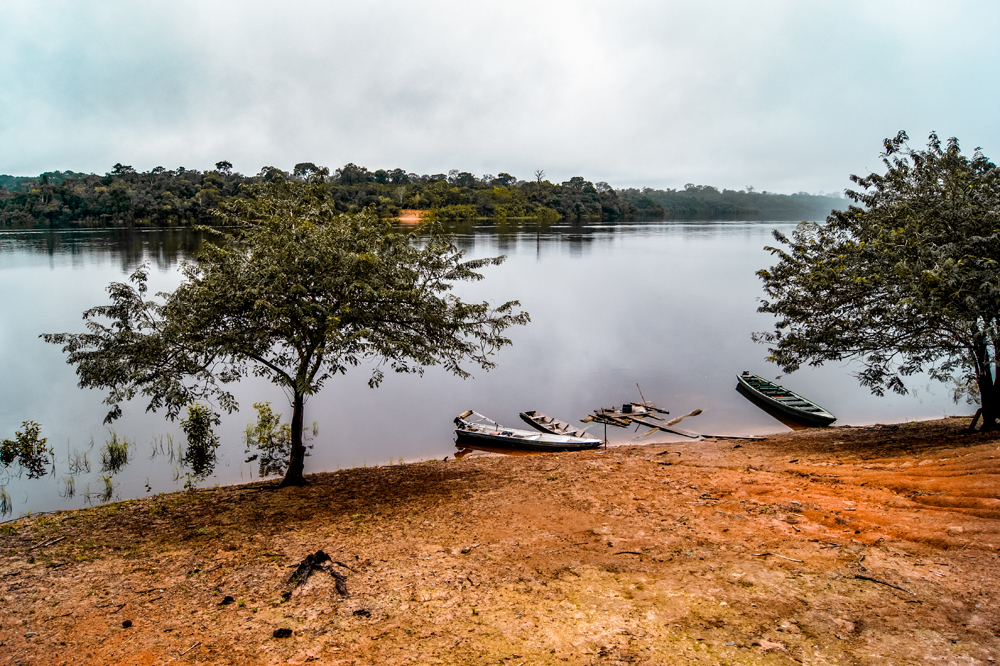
(411, 216)
(875, 545)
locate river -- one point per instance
(667, 306)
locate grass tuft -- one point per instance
(108, 492)
(115, 454)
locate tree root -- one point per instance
(317, 560)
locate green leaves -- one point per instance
(905, 281)
(295, 292)
(27, 449)
(202, 442)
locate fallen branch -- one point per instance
(628, 552)
(189, 649)
(47, 543)
(776, 555)
(882, 582)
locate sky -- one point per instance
(781, 95)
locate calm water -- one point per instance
(668, 306)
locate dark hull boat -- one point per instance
(475, 429)
(782, 402)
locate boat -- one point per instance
(554, 426)
(630, 412)
(645, 414)
(474, 428)
(786, 403)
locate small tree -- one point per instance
(27, 449)
(907, 281)
(296, 293)
(202, 442)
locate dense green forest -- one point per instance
(124, 197)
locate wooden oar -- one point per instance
(658, 427)
(681, 418)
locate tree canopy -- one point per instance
(163, 197)
(905, 281)
(296, 292)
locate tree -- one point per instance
(305, 170)
(505, 179)
(296, 293)
(908, 280)
(27, 449)
(202, 441)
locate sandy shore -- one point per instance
(877, 545)
(411, 215)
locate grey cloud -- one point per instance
(782, 95)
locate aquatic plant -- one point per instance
(115, 454)
(201, 442)
(5, 504)
(69, 487)
(109, 489)
(27, 449)
(164, 446)
(78, 462)
(272, 439)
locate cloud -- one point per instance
(782, 95)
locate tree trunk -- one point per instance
(293, 477)
(989, 398)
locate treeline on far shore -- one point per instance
(124, 197)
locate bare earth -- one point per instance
(411, 216)
(875, 545)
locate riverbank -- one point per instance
(842, 545)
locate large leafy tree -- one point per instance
(907, 280)
(295, 292)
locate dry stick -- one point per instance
(776, 555)
(46, 543)
(189, 649)
(882, 582)
(628, 552)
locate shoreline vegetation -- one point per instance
(126, 198)
(871, 545)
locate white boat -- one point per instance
(474, 428)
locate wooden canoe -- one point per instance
(474, 428)
(778, 398)
(549, 424)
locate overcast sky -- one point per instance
(782, 95)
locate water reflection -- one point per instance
(163, 248)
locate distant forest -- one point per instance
(125, 197)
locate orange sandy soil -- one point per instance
(411, 215)
(874, 545)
